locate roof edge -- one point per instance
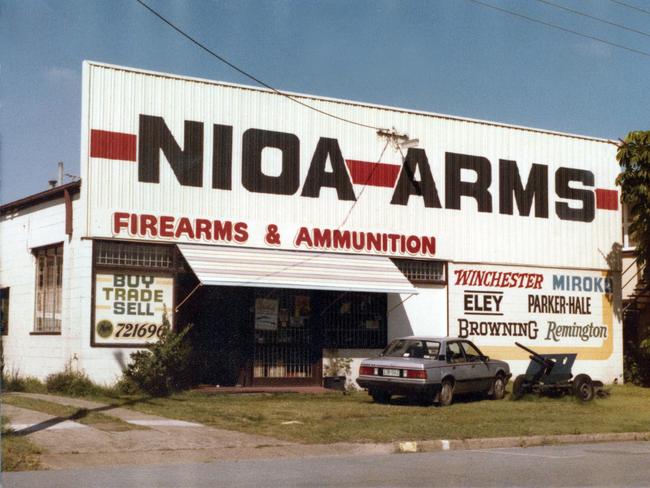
(349, 102)
(44, 196)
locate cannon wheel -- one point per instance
(583, 388)
(518, 387)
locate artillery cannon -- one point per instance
(550, 374)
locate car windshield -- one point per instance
(412, 348)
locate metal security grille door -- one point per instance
(285, 349)
(283, 354)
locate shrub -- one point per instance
(70, 382)
(163, 368)
(14, 382)
(126, 386)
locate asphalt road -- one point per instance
(624, 464)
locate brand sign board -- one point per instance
(548, 310)
(183, 160)
(131, 308)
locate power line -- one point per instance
(593, 17)
(558, 27)
(633, 7)
(250, 76)
(381, 131)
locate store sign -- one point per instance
(202, 162)
(528, 197)
(131, 309)
(549, 310)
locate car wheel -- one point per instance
(498, 388)
(446, 395)
(583, 388)
(519, 387)
(380, 396)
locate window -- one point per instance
(49, 272)
(149, 256)
(420, 270)
(454, 354)
(412, 348)
(4, 310)
(627, 220)
(471, 353)
(353, 319)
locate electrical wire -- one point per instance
(266, 85)
(633, 7)
(558, 27)
(250, 76)
(593, 17)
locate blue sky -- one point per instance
(446, 56)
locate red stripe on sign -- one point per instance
(373, 174)
(112, 145)
(606, 199)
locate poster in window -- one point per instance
(266, 314)
(132, 309)
(302, 306)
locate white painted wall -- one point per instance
(421, 314)
(20, 232)
(40, 355)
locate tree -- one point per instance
(634, 157)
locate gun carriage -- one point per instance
(550, 374)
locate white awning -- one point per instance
(271, 268)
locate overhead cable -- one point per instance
(250, 76)
(558, 27)
(633, 7)
(593, 17)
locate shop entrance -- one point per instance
(276, 337)
(287, 344)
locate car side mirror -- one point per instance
(485, 359)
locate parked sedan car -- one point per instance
(432, 369)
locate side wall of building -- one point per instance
(28, 353)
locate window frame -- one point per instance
(53, 288)
(4, 310)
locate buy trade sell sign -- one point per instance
(131, 309)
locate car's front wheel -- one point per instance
(446, 395)
(380, 396)
(498, 388)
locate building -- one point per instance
(288, 234)
(636, 306)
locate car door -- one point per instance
(479, 375)
(457, 366)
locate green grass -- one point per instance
(335, 417)
(66, 412)
(18, 453)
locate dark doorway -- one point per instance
(275, 337)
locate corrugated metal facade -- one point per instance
(117, 100)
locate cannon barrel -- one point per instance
(528, 350)
(549, 363)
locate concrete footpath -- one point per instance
(158, 440)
